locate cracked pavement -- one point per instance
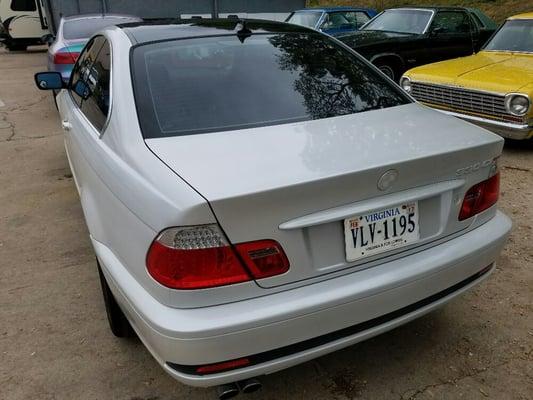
(54, 339)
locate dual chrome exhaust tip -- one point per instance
(231, 390)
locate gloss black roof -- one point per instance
(156, 30)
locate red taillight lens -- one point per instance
(480, 197)
(194, 268)
(263, 258)
(65, 58)
(223, 366)
(199, 257)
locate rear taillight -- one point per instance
(200, 257)
(65, 58)
(480, 197)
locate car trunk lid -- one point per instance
(296, 183)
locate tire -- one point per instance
(118, 322)
(388, 70)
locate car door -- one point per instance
(84, 108)
(450, 35)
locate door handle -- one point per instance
(67, 126)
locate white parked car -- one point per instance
(259, 195)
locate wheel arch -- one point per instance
(392, 60)
(394, 57)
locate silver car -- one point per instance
(259, 195)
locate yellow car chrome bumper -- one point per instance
(505, 129)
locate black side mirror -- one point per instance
(49, 81)
(48, 39)
(82, 89)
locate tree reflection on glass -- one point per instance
(331, 80)
(241, 81)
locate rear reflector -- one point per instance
(223, 366)
(200, 257)
(65, 58)
(480, 197)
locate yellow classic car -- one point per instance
(493, 88)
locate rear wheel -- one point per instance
(118, 322)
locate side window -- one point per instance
(23, 5)
(477, 21)
(326, 24)
(336, 20)
(361, 18)
(83, 66)
(96, 107)
(451, 22)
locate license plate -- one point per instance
(380, 231)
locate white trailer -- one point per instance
(22, 23)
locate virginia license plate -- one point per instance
(381, 231)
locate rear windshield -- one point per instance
(85, 28)
(191, 86)
(514, 35)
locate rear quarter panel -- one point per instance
(128, 196)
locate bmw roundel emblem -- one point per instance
(387, 179)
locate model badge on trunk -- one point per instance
(387, 179)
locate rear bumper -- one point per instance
(506, 130)
(373, 300)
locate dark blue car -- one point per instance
(332, 20)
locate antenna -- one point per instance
(242, 30)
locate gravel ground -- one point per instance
(54, 339)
